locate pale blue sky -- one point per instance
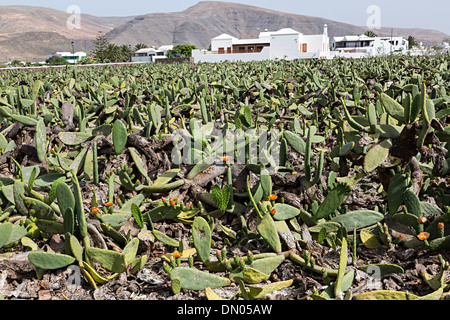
(430, 14)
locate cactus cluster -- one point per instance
(268, 156)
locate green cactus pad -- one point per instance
(51, 227)
(116, 220)
(412, 203)
(138, 264)
(253, 276)
(50, 261)
(260, 291)
(18, 191)
(130, 250)
(265, 265)
(176, 286)
(166, 177)
(358, 219)
(430, 209)
(332, 201)
(212, 296)
(376, 155)
(382, 269)
(193, 279)
(138, 163)
(368, 239)
(110, 260)
(76, 248)
(393, 108)
(113, 233)
(267, 230)
(328, 226)
(440, 243)
(119, 136)
(295, 141)
(165, 238)
(74, 138)
(342, 265)
(39, 209)
(40, 140)
(385, 295)
(5, 233)
(201, 233)
(285, 211)
(397, 188)
(406, 219)
(164, 213)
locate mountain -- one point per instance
(31, 33)
(207, 19)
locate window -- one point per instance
(304, 47)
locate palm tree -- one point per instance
(370, 34)
(112, 52)
(140, 46)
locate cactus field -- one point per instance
(275, 180)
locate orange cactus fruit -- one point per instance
(177, 254)
(423, 236)
(421, 220)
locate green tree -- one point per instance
(126, 52)
(139, 46)
(370, 34)
(101, 45)
(54, 61)
(181, 50)
(411, 42)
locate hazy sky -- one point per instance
(430, 14)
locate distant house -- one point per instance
(364, 46)
(151, 54)
(71, 58)
(286, 44)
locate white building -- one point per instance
(69, 56)
(282, 44)
(151, 54)
(364, 46)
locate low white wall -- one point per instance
(232, 57)
(141, 59)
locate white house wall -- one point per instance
(221, 43)
(284, 46)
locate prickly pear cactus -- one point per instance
(119, 135)
(193, 279)
(201, 233)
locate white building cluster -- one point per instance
(151, 54)
(290, 44)
(70, 57)
(364, 46)
(286, 44)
